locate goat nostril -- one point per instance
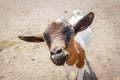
(59, 51)
(51, 52)
(56, 50)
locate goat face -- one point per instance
(59, 35)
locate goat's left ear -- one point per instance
(37, 38)
(84, 22)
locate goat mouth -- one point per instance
(60, 61)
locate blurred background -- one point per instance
(20, 60)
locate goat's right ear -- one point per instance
(37, 38)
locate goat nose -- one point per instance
(56, 50)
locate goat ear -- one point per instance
(84, 22)
(37, 38)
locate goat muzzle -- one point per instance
(58, 56)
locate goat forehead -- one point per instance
(57, 27)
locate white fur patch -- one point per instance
(77, 16)
(84, 38)
(74, 19)
(60, 20)
(73, 71)
(81, 73)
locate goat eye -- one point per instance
(47, 38)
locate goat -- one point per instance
(67, 41)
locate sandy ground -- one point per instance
(20, 60)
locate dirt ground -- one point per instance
(20, 60)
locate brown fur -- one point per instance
(55, 28)
(81, 56)
(74, 56)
